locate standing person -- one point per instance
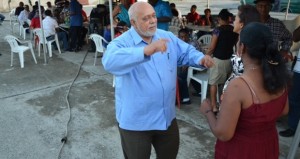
(176, 21)
(246, 124)
(173, 6)
(50, 7)
(144, 61)
(163, 13)
(193, 16)
(281, 36)
(294, 95)
(221, 48)
(76, 21)
(121, 11)
(246, 14)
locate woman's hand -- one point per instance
(205, 107)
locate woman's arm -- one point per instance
(213, 45)
(223, 126)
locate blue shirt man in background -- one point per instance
(163, 13)
(144, 61)
(76, 22)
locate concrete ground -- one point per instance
(34, 111)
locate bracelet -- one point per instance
(209, 110)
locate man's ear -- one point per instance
(132, 22)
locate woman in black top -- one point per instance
(221, 48)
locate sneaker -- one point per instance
(70, 50)
(186, 102)
(287, 133)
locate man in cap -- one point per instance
(281, 36)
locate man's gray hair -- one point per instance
(132, 12)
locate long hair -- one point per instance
(257, 39)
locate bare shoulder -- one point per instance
(237, 90)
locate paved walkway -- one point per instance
(34, 111)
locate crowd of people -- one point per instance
(247, 54)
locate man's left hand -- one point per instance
(207, 61)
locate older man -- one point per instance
(144, 60)
(281, 36)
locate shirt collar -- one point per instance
(138, 39)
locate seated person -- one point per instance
(57, 17)
(207, 18)
(19, 9)
(51, 28)
(35, 21)
(33, 12)
(99, 18)
(65, 13)
(120, 28)
(23, 17)
(184, 35)
(193, 16)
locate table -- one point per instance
(199, 28)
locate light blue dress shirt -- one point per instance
(145, 86)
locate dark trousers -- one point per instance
(294, 102)
(74, 34)
(82, 35)
(137, 144)
(182, 81)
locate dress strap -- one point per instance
(254, 97)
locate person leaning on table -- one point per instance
(144, 60)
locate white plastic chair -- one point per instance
(23, 30)
(205, 39)
(201, 77)
(12, 17)
(19, 49)
(48, 43)
(98, 40)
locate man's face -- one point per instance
(193, 10)
(145, 22)
(183, 36)
(263, 7)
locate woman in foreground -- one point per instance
(246, 124)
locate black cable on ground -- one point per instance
(65, 138)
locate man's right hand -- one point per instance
(156, 46)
